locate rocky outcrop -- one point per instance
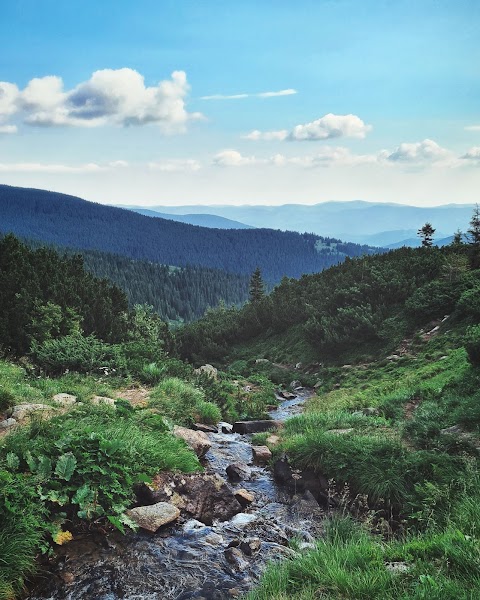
(154, 516)
(203, 497)
(238, 471)
(197, 440)
(64, 399)
(7, 423)
(208, 370)
(22, 411)
(244, 427)
(103, 400)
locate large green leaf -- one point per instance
(66, 465)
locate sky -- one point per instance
(160, 102)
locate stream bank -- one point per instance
(191, 559)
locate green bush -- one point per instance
(208, 412)
(7, 399)
(177, 400)
(469, 303)
(83, 354)
(472, 344)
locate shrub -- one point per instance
(207, 412)
(7, 399)
(472, 344)
(177, 400)
(469, 303)
(77, 353)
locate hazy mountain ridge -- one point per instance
(72, 222)
(358, 221)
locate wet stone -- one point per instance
(238, 471)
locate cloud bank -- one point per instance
(327, 127)
(109, 97)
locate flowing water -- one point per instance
(188, 560)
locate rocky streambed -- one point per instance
(218, 555)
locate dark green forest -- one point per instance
(67, 221)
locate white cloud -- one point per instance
(109, 97)
(419, 153)
(233, 158)
(327, 127)
(256, 135)
(32, 167)
(472, 128)
(473, 154)
(171, 166)
(8, 129)
(287, 92)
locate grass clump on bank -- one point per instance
(59, 475)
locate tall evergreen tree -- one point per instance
(426, 233)
(473, 235)
(257, 287)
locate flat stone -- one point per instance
(64, 399)
(205, 428)
(261, 455)
(286, 395)
(244, 427)
(197, 440)
(243, 519)
(244, 497)
(103, 400)
(154, 516)
(21, 411)
(7, 423)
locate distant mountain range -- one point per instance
(72, 222)
(375, 224)
(212, 221)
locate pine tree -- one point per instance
(426, 233)
(257, 287)
(473, 236)
(457, 238)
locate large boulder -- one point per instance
(238, 471)
(203, 497)
(154, 516)
(64, 399)
(197, 440)
(261, 455)
(208, 370)
(22, 411)
(255, 426)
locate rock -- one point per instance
(225, 427)
(307, 505)
(243, 519)
(286, 395)
(193, 526)
(295, 384)
(247, 388)
(234, 556)
(154, 516)
(306, 546)
(203, 497)
(214, 539)
(340, 431)
(21, 411)
(197, 440)
(393, 357)
(369, 411)
(7, 423)
(453, 430)
(299, 365)
(64, 399)
(255, 426)
(337, 386)
(208, 370)
(317, 384)
(250, 546)
(244, 497)
(238, 471)
(103, 400)
(205, 428)
(261, 455)
(397, 567)
(262, 361)
(282, 471)
(273, 440)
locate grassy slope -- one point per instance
(399, 470)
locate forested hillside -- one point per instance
(180, 294)
(71, 222)
(351, 309)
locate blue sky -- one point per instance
(378, 100)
